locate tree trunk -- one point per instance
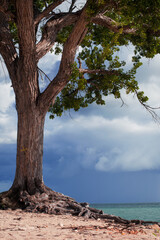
(29, 151)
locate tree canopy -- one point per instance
(97, 70)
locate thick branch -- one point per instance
(73, 42)
(2, 9)
(51, 29)
(47, 11)
(116, 27)
(78, 33)
(99, 71)
(7, 48)
(3, 6)
(55, 24)
(5, 11)
(108, 22)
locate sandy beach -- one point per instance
(29, 226)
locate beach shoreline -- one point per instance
(20, 225)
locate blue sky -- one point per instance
(101, 154)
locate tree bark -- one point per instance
(28, 175)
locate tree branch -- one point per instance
(3, 6)
(108, 22)
(76, 37)
(150, 109)
(90, 81)
(95, 71)
(42, 72)
(99, 71)
(58, 21)
(78, 33)
(47, 11)
(4, 9)
(7, 48)
(116, 27)
(51, 29)
(72, 6)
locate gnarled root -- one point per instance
(52, 202)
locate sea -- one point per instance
(141, 211)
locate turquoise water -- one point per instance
(141, 211)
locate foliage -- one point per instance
(99, 50)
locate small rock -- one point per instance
(31, 228)
(155, 226)
(61, 225)
(22, 229)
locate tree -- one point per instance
(100, 27)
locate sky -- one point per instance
(101, 154)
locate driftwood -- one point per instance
(118, 228)
(56, 203)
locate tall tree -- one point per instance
(85, 74)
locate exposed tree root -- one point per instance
(56, 203)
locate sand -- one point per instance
(29, 226)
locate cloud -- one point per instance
(65, 6)
(117, 144)
(7, 114)
(99, 124)
(49, 61)
(130, 159)
(123, 124)
(48, 66)
(8, 128)
(6, 96)
(152, 90)
(102, 163)
(3, 71)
